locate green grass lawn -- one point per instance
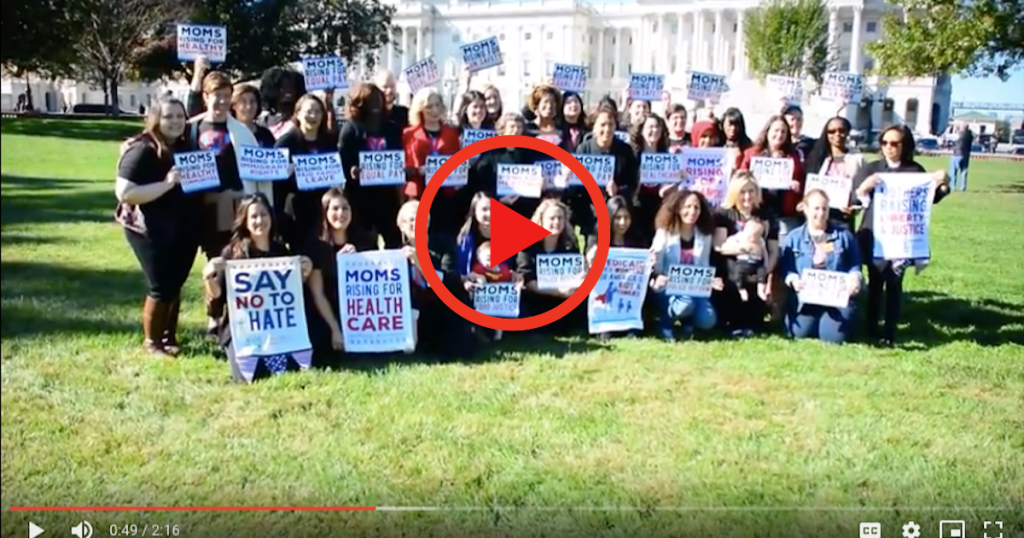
(765, 437)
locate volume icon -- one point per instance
(82, 530)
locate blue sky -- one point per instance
(991, 90)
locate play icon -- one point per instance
(34, 530)
(511, 232)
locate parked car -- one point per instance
(928, 145)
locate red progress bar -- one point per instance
(193, 508)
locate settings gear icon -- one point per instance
(911, 530)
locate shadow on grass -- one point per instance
(47, 201)
(98, 129)
(935, 318)
(47, 299)
(1006, 188)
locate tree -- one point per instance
(113, 33)
(269, 33)
(933, 37)
(35, 39)
(788, 37)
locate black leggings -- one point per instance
(736, 314)
(537, 303)
(165, 265)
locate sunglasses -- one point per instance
(892, 143)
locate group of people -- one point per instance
(759, 240)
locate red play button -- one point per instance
(511, 232)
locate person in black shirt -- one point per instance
(483, 174)
(393, 112)
(625, 177)
(157, 219)
(623, 234)
(734, 128)
(281, 89)
(961, 158)
(575, 119)
(253, 236)
(794, 116)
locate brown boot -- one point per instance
(170, 332)
(153, 315)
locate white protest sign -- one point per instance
(706, 170)
(481, 55)
(825, 288)
(789, 88)
(774, 173)
(472, 136)
(381, 168)
(558, 271)
(375, 302)
(195, 40)
(602, 167)
(551, 172)
(570, 78)
(837, 188)
(326, 73)
(703, 86)
(197, 171)
(840, 86)
(661, 168)
(646, 86)
(500, 299)
(265, 306)
(422, 74)
(262, 164)
(616, 302)
(458, 178)
(690, 280)
(902, 216)
(523, 180)
(318, 171)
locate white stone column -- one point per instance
(833, 35)
(741, 45)
(717, 56)
(407, 51)
(681, 52)
(620, 52)
(697, 41)
(421, 43)
(636, 33)
(600, 55)
(389, 52)
(856, 65)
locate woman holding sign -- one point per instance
(252, 236)
(438, 329)
(552, 269)
(886, 276)
(157, 219)
(297, 205)
(830, 157)
(368, 131)
(428, 136)
(649, 136)
(685, 238)
(821, 263)
(483, 175)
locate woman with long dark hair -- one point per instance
(472, 112)
(157, 219)
(575, 119)
(281, 89)
(830, 156)
(734, 127)
(649, 136)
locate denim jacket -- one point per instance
(798, 252)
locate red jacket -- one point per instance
(417, 146)
(790, 198)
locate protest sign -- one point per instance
(661, 168)
(646, 86)
(318, 171)
(554, 180)
(422, 74)
(602, 167)
(195, 40)
(902, 216)
(616, 302)
(374, 296)
(458, 178)
(704, 86)
(262, 164)
(499, 299)
(706, 170)
(558, 271)
(523, 180)
(790, 89)
(773, 173)
(622, 135)
(825, 288)
(326, 73)
(570, 78)
(472, 136)
(690, 280)
(197, 171)
(837, 188)
(843, 87)
(481, 55)
(381, 168)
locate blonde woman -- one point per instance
(742, 308)
(554, 216)
(426, 136)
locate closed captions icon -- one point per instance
(870, 530)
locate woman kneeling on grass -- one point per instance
(157, 219)
(253, 235)
(825, 246)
